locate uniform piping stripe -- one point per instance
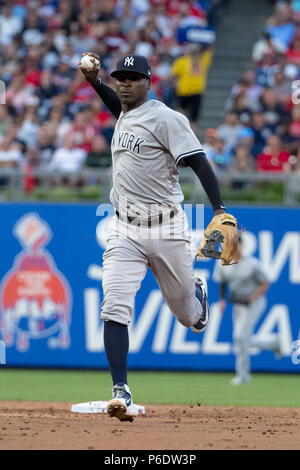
(188, 154)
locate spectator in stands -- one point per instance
(63, 74)
(246, 137)
(83, 129)
(287, 141)
(9, 62)
(45, 145)
(69, 158)
(247, 90)
(260, 133)
(273, 158)
(29, 128)
(10, 152)
(47, 88)
(293, 130)
(10, 25)
(18, 95)
(209, 144)
(241, 108)
(34, 28)
(265, 71)
(81, 92)
(191, 71)
(253, 89)
(272, 110)
(5, 121)
(267, 46)
(242, 162)
(220, 157)
(293, 53)
(102, 120)
(281, 27)
(282, 87)
(32, 162)
(296, 10)
(99, 155)
(79, 41)
(58, 123)
(230, 130)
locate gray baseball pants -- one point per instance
(165, 248)
(244, 321)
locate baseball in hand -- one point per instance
(88, 64)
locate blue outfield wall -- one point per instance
(50, 271)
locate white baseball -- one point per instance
(88, 64)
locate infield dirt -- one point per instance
(31, 425)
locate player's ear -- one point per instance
(149, 84)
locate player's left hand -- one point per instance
(222, 232)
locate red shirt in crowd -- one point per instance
(268, 162)
(295, 129)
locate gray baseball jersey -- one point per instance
(148, 143)
(243, 277)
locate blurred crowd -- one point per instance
(261, 131)
(53, 119)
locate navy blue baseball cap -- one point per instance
(133, 63)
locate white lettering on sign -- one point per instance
(277, 316)
(288, 250)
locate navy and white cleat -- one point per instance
(201, 294)
(121, 406)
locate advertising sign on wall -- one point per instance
(51, 292)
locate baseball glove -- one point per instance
(220, 240)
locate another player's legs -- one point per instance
(241, 337)
(269, 343)
(244, 320)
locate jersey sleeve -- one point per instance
(175, 134)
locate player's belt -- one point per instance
(148, 221)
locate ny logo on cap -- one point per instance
(128, 61)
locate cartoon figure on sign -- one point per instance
(34, 296)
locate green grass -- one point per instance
(150, 387)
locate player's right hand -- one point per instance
(90, 75)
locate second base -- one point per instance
(100, 407)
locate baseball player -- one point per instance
(248, 284)
(150, 143)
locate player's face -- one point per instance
(131, 88)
